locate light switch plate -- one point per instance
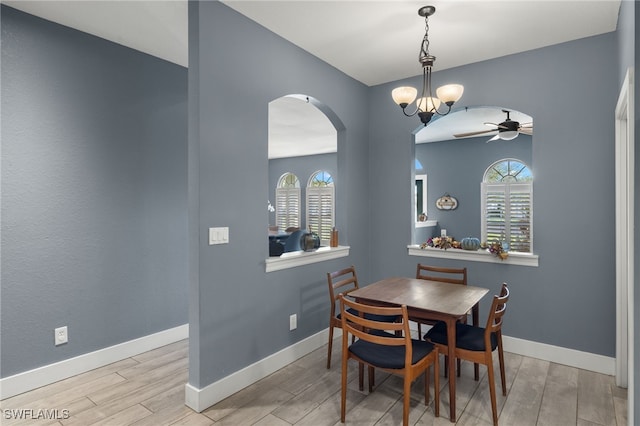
(219, 235)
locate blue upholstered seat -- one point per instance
(467, 336)
(389, 356)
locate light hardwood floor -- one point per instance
(148, 389)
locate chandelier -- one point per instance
(427, 105)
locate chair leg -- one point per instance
(343, 393)
(436, 385)
(361, 376)
(330, 345)
(459, 366)
(501, 359)
(406, 400)
(420, 331)
(372, 378)
(426, 386)
(446, 366)
(492, 390)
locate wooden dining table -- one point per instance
(429, 300)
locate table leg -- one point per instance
(451, 338)
(475, 313)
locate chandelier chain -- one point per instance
(424, 49)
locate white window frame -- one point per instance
(288, 204)
(320, 199)
(512, 194)
(324, 198)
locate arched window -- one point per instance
(288, 202)
(321, 205)
(507, 204)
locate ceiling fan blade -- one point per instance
(528, 124)
(526, 130)
(499, 126)
(496, 137)
(480, 132)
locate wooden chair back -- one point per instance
(445, 275)
(343, 281)
(352, 315)
(498, 309)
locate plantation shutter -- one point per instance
(320, 211)
(287, 208)
(506, 215)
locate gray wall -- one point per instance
(303, 167)
(94, 175)
(80, 218)
(232, 60)
(573, 189)
(457, 167)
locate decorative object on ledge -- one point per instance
(446, 202)
(422, 217)
(427, 105)
(515, 258)
(310, 241)
(441, 243)
(333, 242)
(497, 249)
(470, 243)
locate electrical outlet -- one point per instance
(60, 335)
(293, 322)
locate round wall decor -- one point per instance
(446, 202)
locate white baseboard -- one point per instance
(201, 399)
(571, 357)
(38, 377)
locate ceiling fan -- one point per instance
(507, 130)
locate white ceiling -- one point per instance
(297, 127)
(372, 41)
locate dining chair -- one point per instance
(387, 346)
(443, 275)
(342, 281)
(476, 344)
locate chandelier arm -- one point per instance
(444, 113)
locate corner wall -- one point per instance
(94, 174)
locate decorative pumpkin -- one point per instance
(470, 243)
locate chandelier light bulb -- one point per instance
(450, 93)
(404, 95)
(428, 104)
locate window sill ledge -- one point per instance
(299, 258)
(520, 259)
(426, 223)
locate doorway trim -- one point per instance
(625, 171)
